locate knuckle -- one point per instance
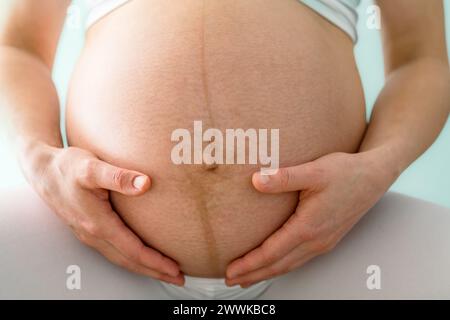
(92, 228)
(138, 255)
(323, 246)
(59, 163)
(117, 259)
(267, 252)
(320, 247)
(119, 178)
(308, 234)
(87, 171)
(131, 267)
(285, 177)
(317, 172)
(123, 263)
(134, 255)
(285, 269)
(273, 271)
(46, 191)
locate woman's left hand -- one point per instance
(335, 192)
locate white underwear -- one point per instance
(214, 289)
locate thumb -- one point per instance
(289, 179)
(99, 174)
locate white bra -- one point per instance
(342, 13)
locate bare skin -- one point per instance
(416, 59)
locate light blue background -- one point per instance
(428, 178)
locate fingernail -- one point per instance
(139, 182)
(178, 284)
(232, 274)
(230, 282)
(264, 179)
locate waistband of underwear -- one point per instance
(208, 288)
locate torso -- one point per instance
(153, 66)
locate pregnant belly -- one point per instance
(152, 67)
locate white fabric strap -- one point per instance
(100, 8)
(341, 13)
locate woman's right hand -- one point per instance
(76, 185)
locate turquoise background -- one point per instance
(428, 178)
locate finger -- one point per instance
(130, 246)
(113, 255)
(117, 258)
(293, 260)
(278, 245)
(98, 174)
(289, 179)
